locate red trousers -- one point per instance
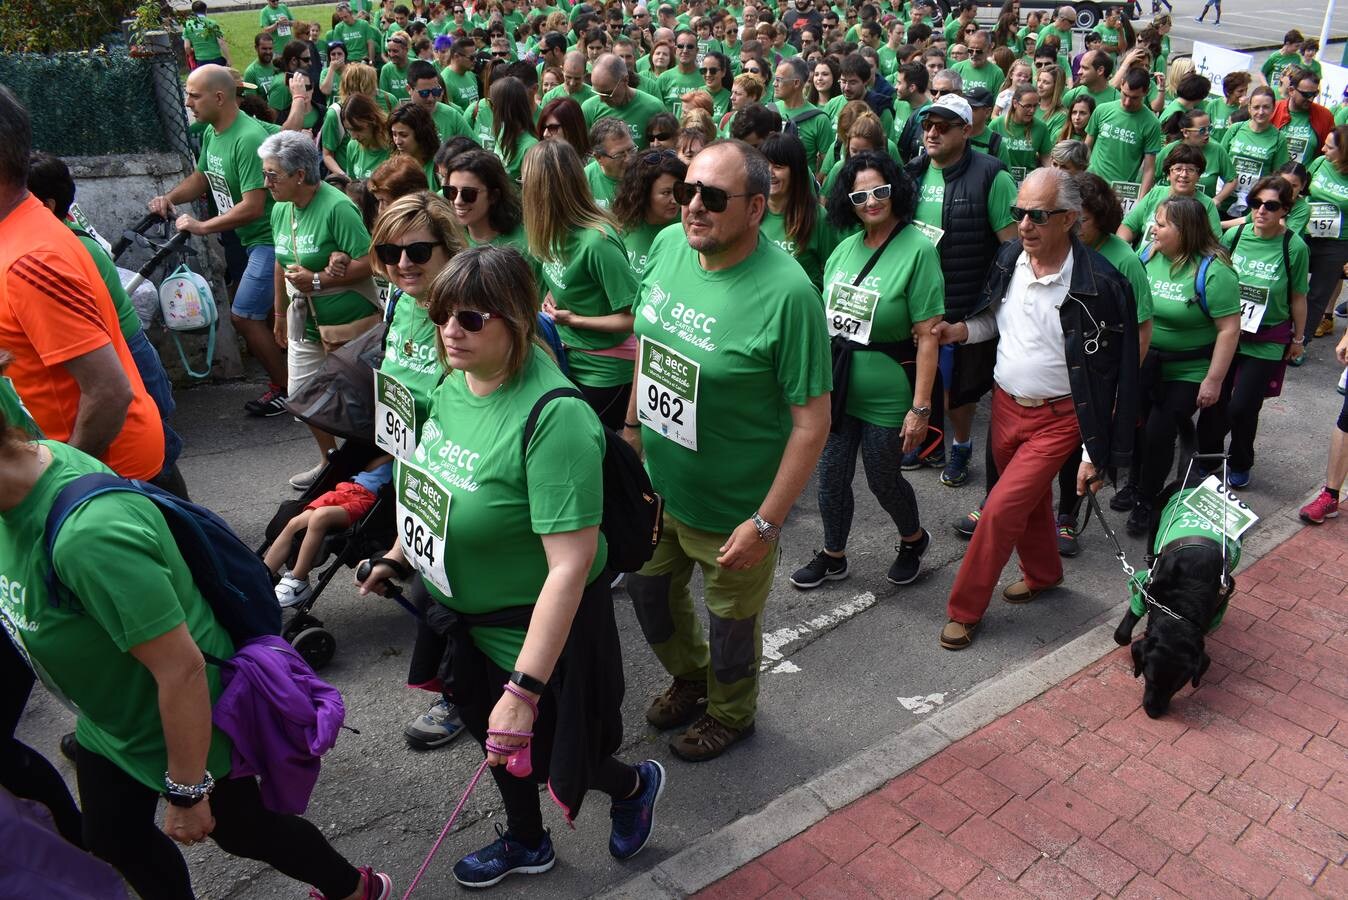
(1030, 445)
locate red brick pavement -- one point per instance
(1241, 790)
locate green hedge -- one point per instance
(85, 104)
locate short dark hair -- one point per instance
(419, 69)
(1183, 154)
(855, 64)
(916, 75)
(15, 123)
(49, 178)
(1099, 199)
(553, 40)
(259, 38)
(1193, 87)
(903, 194)
(756, 119)
(1137, 79)
(1273, 183)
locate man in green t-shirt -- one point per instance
(276, 20)
(613, 148)
(359, 36)
(1124, 137)
(393, 75)
(1111, 33)
(206, 37)
(1303, 122)
(812, 124)
(262, 70)
(722, 315)
(459, 77)
(1288, 55)
(573, 81)
(1093, 80)
(230, 172)
(424, 89)
(978, 69)
(616, 98)
(1061, 28)
(683, 76)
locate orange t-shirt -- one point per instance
(54, 307)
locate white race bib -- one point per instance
(1248, 171)
(423, 522)
(1212, 503)
(395, 416)
(283, 29)
(850, 311)
(933, 233)
(224, 200)
(1326, 221)
(667, 393)
(1127, 192)
(1253, 305)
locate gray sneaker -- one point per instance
(305, 480)
(436, 727)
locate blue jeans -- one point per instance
(255, 297)
(157, 385)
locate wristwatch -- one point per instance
(317, 285)
(528, 682)
(767, 532)
(187, 795)
(923, 411)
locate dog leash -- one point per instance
(518, 764)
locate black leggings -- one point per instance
(610, 403)
(24, 772)
(1237, 411)
(1173, 406)
(119, 827)
(1326, 272)
(881, 452)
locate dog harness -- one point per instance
(1181, 527)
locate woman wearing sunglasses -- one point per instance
(561, 120)
(644, 202)
(509, 533)
(321, 302)
(1183, 167)
(1195, 130)
(793, 219)
(1271, 265)
(1191, 346)
(589, 282)
(486, 203)
(717, 77)
(884, 293)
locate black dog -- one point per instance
(1188, 577)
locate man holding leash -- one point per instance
(1065, 374)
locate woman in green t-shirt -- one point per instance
(589, 282)
(486, 203)
(369, 143)
(321, 302)
(1183, 170)
(1191, 347)
(509, 530)
(1255, 147)
(1326, 235)
(512, 123)
(644, 203)
(884, 293)
(128, 655)
(1051, 83)
(412, 132)
(793, 219)
(1271, 268)
(716, 74)
(1195, 130)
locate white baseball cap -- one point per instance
(951, 106)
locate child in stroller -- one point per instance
(334, 510)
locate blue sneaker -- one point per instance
(956, 471)
(1342, 310)
(911, 461)
(504, 856)
(634, 819)
(1238, 480)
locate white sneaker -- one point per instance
(291, 591)
(305, 480)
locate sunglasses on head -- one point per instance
(713, 198)
(452, 193)
(879, 192)
(1270, 205)
(418, 252)
(1037, 216)
(469, 320)
(424, 93)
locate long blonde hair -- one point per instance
(358, 78)
(557, 200)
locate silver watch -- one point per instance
(767, 532)
(317, 284)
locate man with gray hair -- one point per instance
(1065, 375)
(613, 147)
(813, 125)
(615, 97)
(722, 314)
(230, 172)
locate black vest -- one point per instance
(969, 244)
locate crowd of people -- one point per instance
(770, 239)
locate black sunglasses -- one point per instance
(1037, 216)
(662, 136)
(1270, 205)
(469, 320)
(708, 70)
(469, 194)
(430, 92)
(686, 46)
(713, 198)
(418, 252)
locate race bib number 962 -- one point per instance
(667, 393)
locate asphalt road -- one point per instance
(850, 663)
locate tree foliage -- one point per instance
(41, 26)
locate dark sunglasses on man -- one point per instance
(713, 198)
(1037, 216)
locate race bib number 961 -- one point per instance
(395, 415)
(667, 393)
(423, 522)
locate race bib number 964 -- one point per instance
(423, 522)
(667, 393)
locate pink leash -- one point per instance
(520, 765)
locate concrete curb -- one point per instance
(721, 852)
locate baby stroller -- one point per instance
(339, 399)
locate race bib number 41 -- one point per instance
(667, 393)
(1253, 304)
(850, 311)
(395, 416)
(423, 522)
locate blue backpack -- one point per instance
(232, 578)
(1200, 280)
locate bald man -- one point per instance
(573, 83)
(613, 96)
(230, 172)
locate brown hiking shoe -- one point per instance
(707, 738)
(681, 703)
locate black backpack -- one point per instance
(633, 511)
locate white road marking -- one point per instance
(786, 667)
(775, 641)
(921, 705)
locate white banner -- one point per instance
(1215, 63)
(1333, 84)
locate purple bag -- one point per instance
(38, 862)
(281, 717)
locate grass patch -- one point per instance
(241, 27)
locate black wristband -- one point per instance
(631, 424)
(528, 682)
